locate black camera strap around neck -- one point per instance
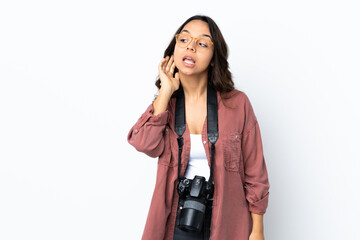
(212, 124)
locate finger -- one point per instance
(166, 62)
(172, 68)
(160, 66)
(169, 63)
(163, 63)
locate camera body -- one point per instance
(195, 195)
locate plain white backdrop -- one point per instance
(76, 75)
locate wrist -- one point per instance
(258, 228)
(168, 91)
(255, 230)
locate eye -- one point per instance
(204, 43)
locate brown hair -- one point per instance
(219, 75)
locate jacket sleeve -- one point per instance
(147, 133)
(256, 176)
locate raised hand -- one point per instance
(166, 74)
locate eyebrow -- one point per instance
(205, 35)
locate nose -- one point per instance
(192, 45)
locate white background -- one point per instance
(76, 75)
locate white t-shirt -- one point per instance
(198, 162)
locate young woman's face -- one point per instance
(201, 55)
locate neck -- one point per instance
(195, 87)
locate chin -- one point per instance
(190, 72)
(187, 72)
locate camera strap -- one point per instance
(212, 124)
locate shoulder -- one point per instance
(236, 99)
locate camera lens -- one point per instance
(192, 216)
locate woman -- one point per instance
(194, 59)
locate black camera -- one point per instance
(195, 196)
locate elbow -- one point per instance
(151, 151)
(151, 148)
(260, 206)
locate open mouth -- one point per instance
(189, 60)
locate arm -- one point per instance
(256, 177)
(256, 181)
(258, 228)
(258, 225)
(147, 133)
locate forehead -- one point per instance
(197, 28)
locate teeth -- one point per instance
(187, 61)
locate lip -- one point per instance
(188, 64)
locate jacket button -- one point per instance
(136, 130)
(204, 142)
(167, 129)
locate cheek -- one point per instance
(209, 57)
(206, 58)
